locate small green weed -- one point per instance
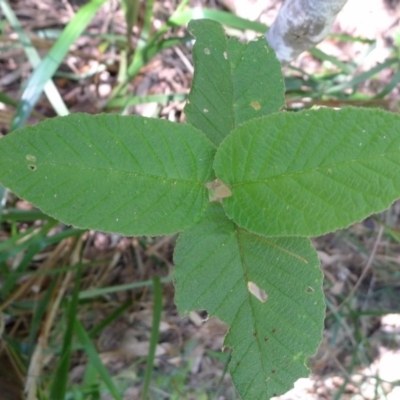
(247, 185)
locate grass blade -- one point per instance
(145, 34)
(18, 215)
(394, 82)
(37, 245)
(60, 380)
(53, 59)
(143, 56)
(362, 77)
(109, 319)
(147, 50)
(131, 9)
(5, 99)
(152, 98)
(224, 17)
(87, 294)
(321, 55)
(48, 86)
(155, 332)
(94, 358)
(40, 310)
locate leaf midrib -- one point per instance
(311, 170)
(246, 279)
(239, 231)
(119, 171)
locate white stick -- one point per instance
(301, 24)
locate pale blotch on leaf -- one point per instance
(299, 356)
(225, 55)
(256, 105)
(257, 292)
(207, 51)
(30, 158)
(218, 190)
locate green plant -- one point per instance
(246, 185)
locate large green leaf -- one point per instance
(307, 173)
(130, 175)
(268, 290)
(233, 82)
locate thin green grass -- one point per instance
(355, 338)
(155, 333)
(48, 66)
(95, 361)
(87, 294)
(59, 385)
(32, 92)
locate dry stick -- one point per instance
(356, 286)
(29, 284)
(340, 366)
(184, 59)
(104, 273)
(344, 324)
(300, 25)
(38, 358)
(366, 269)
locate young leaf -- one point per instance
(233, 82)
(131, 175)
(268, 290)
(307, 173)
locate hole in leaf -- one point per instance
(203, 314)
(310, 290)
(257, 292)
(32, 167)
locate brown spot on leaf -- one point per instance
(256, 105)
(218, 190)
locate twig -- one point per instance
(365, 271)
